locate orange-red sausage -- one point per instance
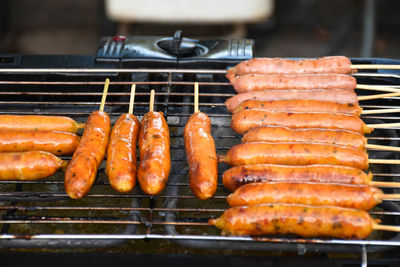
(57, 143)
(121, 153)
(201, 156)
(82, 169)
(301, 105)
(239, 175)
(257, 82)
(302, 220)
(295, 154)
(30, 165)
(155, 161)
(334, 95)
(362, 197)
(322, 136)
(39, 123)
(246, 120)
(333, 64)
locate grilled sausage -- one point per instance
(155, 162)
(39, 123)
(257, 82)
(121, 153)
(334, 64)
(31, 165)
(57, 143)
(295, 154)
(334, 95)
(246, 120)
(236, 176)
(302, 220)
(301, 105)
(82, 169)
(322, 136)
(362, 197)
(201, 156)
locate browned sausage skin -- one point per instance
(39, 123)
(302, 220)
(332, 64)
(301, 105)
(239, 175)
(362, 197)
(257, 82)
(333, 95)
(82, 169)
(322, 136)
(57, 143)
(246, 120)
(295, 154)
(201, 156)
(31, 165)
(155, 160)
(121, 153)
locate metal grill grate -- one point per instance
(39, 213)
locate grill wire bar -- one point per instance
(33, 213)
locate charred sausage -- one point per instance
(295, 154)
(322, 136)
(201, 156)
(82, 169)
(31, 165)
(333, 64)
(301, 105)
(362, 197)
(334, 95)
(246, 120)
(121, 153)
(236, 176)
(39, 123)
(257, 82)
(57, 143)
(302, 220)
(155, 162)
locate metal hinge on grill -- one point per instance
(176, 51)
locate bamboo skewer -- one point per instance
(369, 97)
(381, 111)
(196, 97)
(132, 99)
(103, 98)
(385, 184)
(384, 125)
(384, 161)
(375, 66)
(151, 105)
(377, 88)
(390, 228)
(380, 147)
(390, 196)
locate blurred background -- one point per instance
(290, 28)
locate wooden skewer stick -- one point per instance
(377, 88)
(196, 97)
(390, 196)
(390, 228)
(369, 97)
(151, 106)
(379, 147)
(384, 161)
(132, 99)
(381, 111)
(375, 66)
(384, 125)
(105, 91)
(385, 184)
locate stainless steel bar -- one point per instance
(89, 70)
(111, 83)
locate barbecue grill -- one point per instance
(39, 215)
